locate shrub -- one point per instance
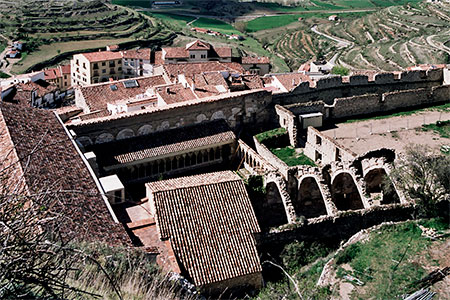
(340, 70)
(348, 254)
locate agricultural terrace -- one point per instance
(395, 37)
(51, 28)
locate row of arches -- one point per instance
(177, 163)
(343, 191)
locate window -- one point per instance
(119, 62)
(130, 83)
(192, 55)
(95, 66)
(203, 55)
(318, 140)
(84, 65)
(103, 63)
(78, 62)
(338, 155)
(318, 156)
(120, 69)
(103, 71)
(65, 76)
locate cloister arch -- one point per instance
(125, 133)
(274, 212)
(310, 202)
(378, 183)
(345, 193)
(104, 138)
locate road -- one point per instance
(5, 68)
(341, 42)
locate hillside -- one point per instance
(53, 28)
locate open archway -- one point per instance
(273, 212)
(379, 186)
(310, 201)
(344, 193)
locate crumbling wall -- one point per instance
(321, 148)
(356, 105)
(289, 122)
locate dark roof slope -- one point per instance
(210, 222)
(51, 163)
(163, 142)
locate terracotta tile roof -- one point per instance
(41, 87)
(163, 142)
(51, 74)
(190, 69)
(223, 52)
(210, 223)
(102, 56)
(206, 84)
(158, 58)
(175, 93)
(143, 54)
(255, 60)
(97, 96)
(65, 69)
(253, 81)
(176, 52)
(198, 45)
(51, 163)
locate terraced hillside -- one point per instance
(395, 37)
(51, 28)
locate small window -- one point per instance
(103, 71)
(318, 156)
(318, 140)
(103, 63)
(192, 55)
(203, 56)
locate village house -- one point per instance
(256, 65)
(196, 51)
(95, 67)
(137, 63)
(60, 76)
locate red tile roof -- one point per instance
(162, 143)
(102, 56)
(210, 222)
(291, 80)
(198, 45)
(175, 93)
(65, 69)
(143, 54)
(52, 164)
(97, 96)
(255, 60)
(190, 69)
(51, 74)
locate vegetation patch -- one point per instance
(215, 25)
(441, 127)
(270, 134)
(386, 263)
(291, 157)
(340, 70)
(4, 75)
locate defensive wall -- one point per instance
(327, 89)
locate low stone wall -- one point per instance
(262, 150)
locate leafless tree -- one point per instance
(423, 176)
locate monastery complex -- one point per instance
(162, 148)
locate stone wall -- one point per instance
(328, 89)
(321, 147)
(288, 121)
(262, 150)
(248, 107)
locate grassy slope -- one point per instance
(378, 263)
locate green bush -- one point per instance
(348, 254)
(340, 70)
(297, 254)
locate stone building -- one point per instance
(95, 67)
(196, 51)
(256, 65)
(60, 76)
(211, 230)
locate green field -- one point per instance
(216, 25)
(176, 20)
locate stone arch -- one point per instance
(125, 134)
(273, 212)
(380, 188)
(104, 138)
(84, 141)
(218, 115)
(145, 129)
(310, 202)
(201, 118)
(345, 193)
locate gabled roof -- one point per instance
(210, 223)
(51, 74)
(143, 54)
(175, 93)
(190, 69)
(163, 143)
(198, 45)
(50, 163)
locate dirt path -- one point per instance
(394, 132)
(439, 46)
(341, 42)
(7, 67)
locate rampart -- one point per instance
(328, 89)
